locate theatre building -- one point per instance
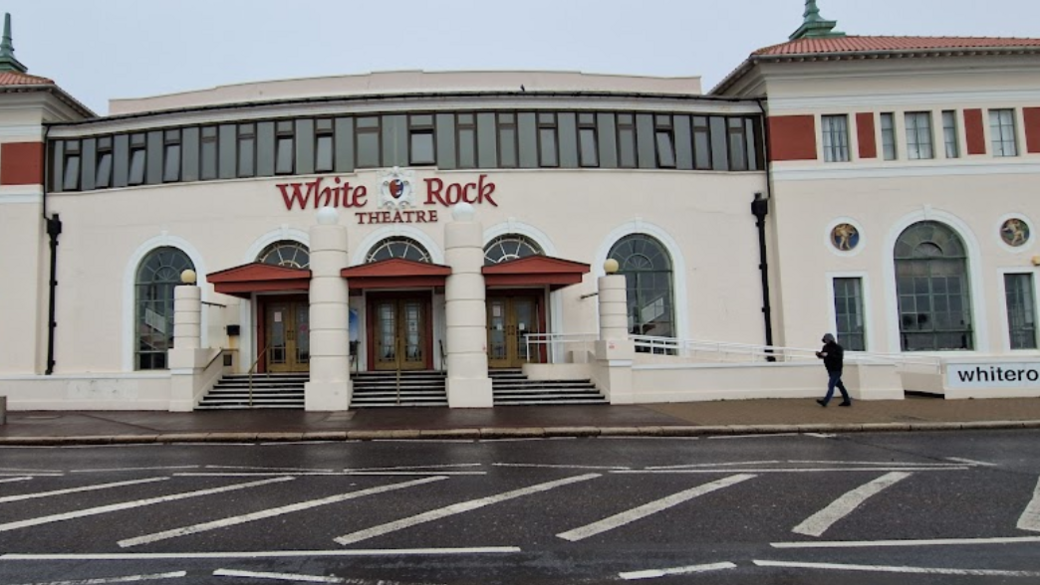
(480, 239)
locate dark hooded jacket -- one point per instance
(833, 355)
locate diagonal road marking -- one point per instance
(1030, 519)
(458, 509)
(126, 579)
(651, 508)
(12, 479)
(270, 513)
(134, 504)
(298, 578)
(819, 522)
(893, 569)
(655, 573)
(86, 488)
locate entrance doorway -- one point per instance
(401, 333)
(287, 335)
(510, 319)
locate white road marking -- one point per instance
(171, 467)
(404, 467)
(880, 463)
(375, 552)
(257, 468)
(1030, 519)
(821, 435)
(891, 569)
(650, 508)
(323, 473)
(24, 470)
(695, 465)
(270, 513)
(12, 479)
(126, 579)
(655, 573)
(789, 470)
(34, 475)
(458, 509)
(86, 488)
(134, 504)
(819, 522)
(643, 438)
(755, 436)
(971, 461)
(901, 543)
(297, 578)
(548, 466)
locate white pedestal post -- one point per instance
(615, 352)
(186, 357)
(329, 386)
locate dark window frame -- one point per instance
(587, 124)
(664, 131)
(422, 125)
(462, 127)
(105, 152)
(72, 159)
(285, 138)
(548, 127)
(361, 132)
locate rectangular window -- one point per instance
(466, 140)
(888, 136)
(835, 138)
(918, 135)
(737, 144)
(701, 143)
(138, 147)
(588, 148)
(103, 170)
(664, 141)
(323, 145)
(548, 154)
(1021, 314)
(171, 156)
(848, 311)
(421, 143)
(626, 129)
(209, 153)
(246, 150)
(719, 140)
(1002, 132)
(950, 134)
(507, 145)
(70, 182)
(284, 148)
(487, 141)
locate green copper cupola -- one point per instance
(814, 25)
(7, 59)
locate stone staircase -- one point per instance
(269, 391)
(383, 389)
(511, 387)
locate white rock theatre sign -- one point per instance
(993, 375)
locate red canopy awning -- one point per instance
(396, 273)
(535, 271)
(242, 281)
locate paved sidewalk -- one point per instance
(678, 419)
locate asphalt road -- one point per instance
(915, 508)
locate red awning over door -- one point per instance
(535, 271)
(242, 281)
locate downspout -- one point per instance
(760, 209)
(53, 231)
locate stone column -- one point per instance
(468, 383)
(615, 352)
(329, 386)
(186, 356)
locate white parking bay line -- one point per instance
(819, 522)
(125, 579)
(655, 573)
(892, 569)
(134, 504)
(651, 508)
(908, 542)
(298, 578)
(12, 479)
(1030, 519)
(726, 464)
(271, 512)
(971, 461)
(165, 468)
(458, 509)
(265, 554)
(86, 488)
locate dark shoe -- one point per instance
(845, 404)
(822, 402)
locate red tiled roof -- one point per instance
(16, 78)
(854, 44)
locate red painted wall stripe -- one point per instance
(792, 138)
(974, 132)
(1032, 123)
(865, 135)
(21, 163)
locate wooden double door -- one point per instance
(511, 318)
(400, 333)
(286, 335)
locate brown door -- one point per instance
(510, 320)
(287, 335)
(400, 334)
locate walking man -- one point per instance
(833, 356)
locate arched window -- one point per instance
(398, 247)
(286, 253)
(932, 284)
(510, 247)
(648, 271)
(158, 274)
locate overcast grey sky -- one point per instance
(102, 49)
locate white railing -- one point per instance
(559, 348)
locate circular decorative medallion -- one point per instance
(1014, 232)
(845, 237)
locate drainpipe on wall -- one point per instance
(760, 209)
(53, 231)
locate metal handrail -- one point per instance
(253, 367)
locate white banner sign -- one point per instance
(1005, 375)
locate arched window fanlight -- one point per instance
(398, 247)
(286, 253)
(510, 247)
(648, 271)
(157, 276)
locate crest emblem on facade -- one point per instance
(395, 189)
(845, 237)
(1015, 232)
